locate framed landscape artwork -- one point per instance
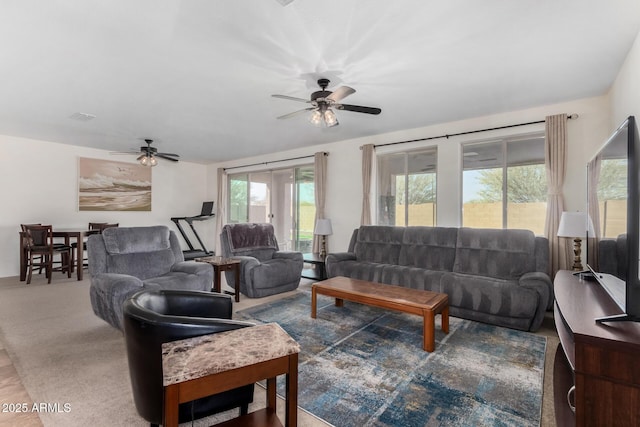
(105, 185)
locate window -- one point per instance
(283, 197)
(505, 184)
(407, 188)
(612, 197)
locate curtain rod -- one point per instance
(569, 117)
(274, 161)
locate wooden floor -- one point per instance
(14, 396)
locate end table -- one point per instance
(219, 265)
(317, 270)
(201, 366)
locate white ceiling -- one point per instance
(197, 75)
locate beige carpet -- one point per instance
(64, 354)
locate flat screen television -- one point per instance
(613, 177)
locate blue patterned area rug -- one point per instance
(363, 366)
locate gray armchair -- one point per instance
(123, 261)
(612, 256)
(264, 270)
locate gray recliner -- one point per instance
(612, 256)
(264, 270)
(125, 260)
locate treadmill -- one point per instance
(206, 213)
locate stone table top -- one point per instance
(218, 260)
(198, 357)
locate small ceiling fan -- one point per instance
(323, 101)
(147, 156)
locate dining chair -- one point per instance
(24, 246)
(38, 241)
(94, 228)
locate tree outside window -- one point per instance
(407, 188)
(505, 185)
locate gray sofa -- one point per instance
(493, 276)
(123, 261)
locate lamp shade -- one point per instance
(576, 225)
(323, 227)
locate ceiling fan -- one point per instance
(147, 156)
(323, 101)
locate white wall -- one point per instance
(179, 189)
(625, 92)
(39, 183)
(344, 182)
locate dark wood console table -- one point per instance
(596, 366)
(317, 271)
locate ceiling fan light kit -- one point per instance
(324, 115)
(148, 155)
(323, 101)
(148, 160)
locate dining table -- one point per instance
(69, 235)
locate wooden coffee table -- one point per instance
(413, 301)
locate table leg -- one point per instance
(429, 339)
(271, 393)
(217, 286)
(291, 405)
(170, 416)
(80, 258)
(237, 284)
(445, 319)
(339, 302)
(23, 259)
(314, 300)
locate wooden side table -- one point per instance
(201, 366)
(221, 264)
(318, 270)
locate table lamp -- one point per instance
(576, 225)
(323, 228)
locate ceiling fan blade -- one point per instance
(358, 108)
(141, 156)
(341, 93)
(167, 157)
(295, 113)
(291, 98)
(168, 154)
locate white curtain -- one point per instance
(555, 162)
(367, 167)
(320, 181)
(221, 214)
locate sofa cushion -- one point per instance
(168, 281)
(273, 272)
(497, 297)
(500, 254)
(412, 277)
(433, 248)
(142, 265)
(127, 240)
(379, 244)
(360, 270)
(246, 237)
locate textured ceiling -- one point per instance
(197, 75)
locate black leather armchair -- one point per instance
(153, 317)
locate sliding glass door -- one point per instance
(282, 197)
(305, 208)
